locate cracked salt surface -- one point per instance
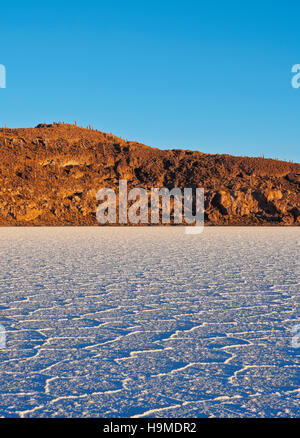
(116, 322)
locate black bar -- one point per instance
(141, 426)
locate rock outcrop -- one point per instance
(50, 175)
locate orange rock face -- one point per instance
(50, 175)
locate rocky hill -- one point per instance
(49, 175)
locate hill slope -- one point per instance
(49, 175)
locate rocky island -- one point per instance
(50, 174)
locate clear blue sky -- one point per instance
(211, 76)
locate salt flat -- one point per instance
(117, 322)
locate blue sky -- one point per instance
(210, 76)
